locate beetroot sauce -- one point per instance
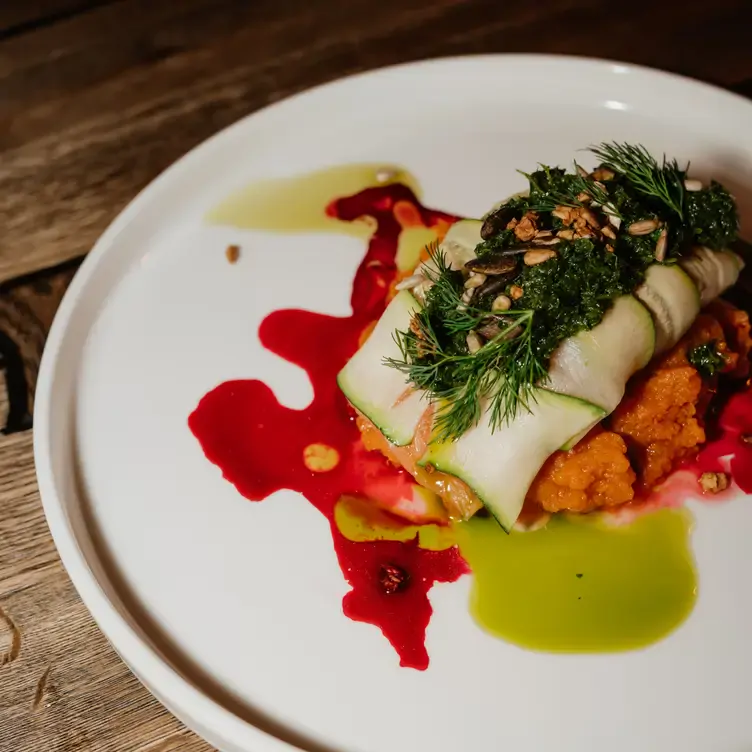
(261, 446)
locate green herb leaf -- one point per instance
(707, 359)
(663, 182)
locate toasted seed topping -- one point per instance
(693, 185)
(476, 279)
(566, 234)
(538, 256)
(546, 241)
(501, 303)
(643, 227)
(516, 292)
(513, 251)
(603, 173)
(526, 228)
(232, 253)
(564, 213)
(713, 482)
(496, 221)
(660, 246)
(492, 263)
(474, 342)
(590, 218)
(492, 286)
(610, 211)
(609, 248)
(609, 232)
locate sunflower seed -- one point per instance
(476, 279)
(713, 482)
(566, 234)
(590, 218)
(535, 257)
(660, 246)
(410, 282)
(693, 185)
(603, 173)
(610, 211)
(643, 227)
(501, 303)
(516, 292)
(546, 241)
(609, 232)
(474, 343)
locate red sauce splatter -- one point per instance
(728, 451)
(260, 445)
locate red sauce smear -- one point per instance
(730, 450)
(259, 444)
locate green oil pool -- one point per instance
(580, 584)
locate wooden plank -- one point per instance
(22, 16)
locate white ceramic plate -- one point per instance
(230, 612)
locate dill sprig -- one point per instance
(577, 185)
(499, 377)
(664, 182)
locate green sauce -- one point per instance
(579, 585)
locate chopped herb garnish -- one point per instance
(435, 356)
(552, 262)
(707, 359)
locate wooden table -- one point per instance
(99, 96)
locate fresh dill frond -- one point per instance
(500, 377)
(434, 356)
(664, 182)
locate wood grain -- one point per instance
(99, 96)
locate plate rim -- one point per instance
(195, 708)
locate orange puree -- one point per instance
(596, 473)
